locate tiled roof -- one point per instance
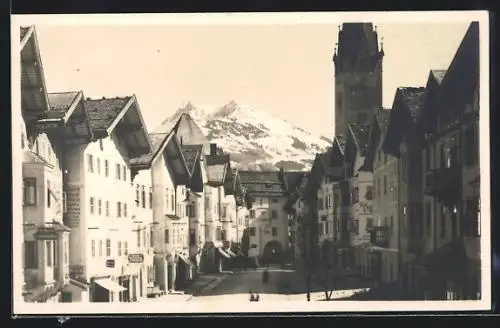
(102, 112)
(215, 173)
(61, 100)
(156, 141)
(260, 177)
(191, 153)
(24, 30)
(414, 98)
(361, 134)
(438, 74)
(217, 159)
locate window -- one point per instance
(275, 200)
(119, 248)
(137, 197)
(355, 195)
(99, 206)
(369, 193)
(172, 201)
(125, 210)
(118, 209)
(428, 158)
(92, 247)
(118, 169)
(253, 246)
(471, 146)
(100, 248)
(107, 208)
(428, 219)
(30, 255)
(274, 231)
(101, 146)
(64, 202)
(65, 253)
(98, 164)
(369, 223)
(443, 222)
(274, 214)
(90, 163)
(48, 253)
(252, 232)
(151, 237)
(49, 198)
(108, 247)
(252, 214)
(125, 248)
(150, 198)
(124, 173)
(91, 205)
(385, 184)
(143, 197)
(106, 168)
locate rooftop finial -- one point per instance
(335, 49)
(382, 43)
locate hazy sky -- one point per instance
(286, 70)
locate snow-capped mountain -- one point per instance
(255, 139)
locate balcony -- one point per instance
(444, 184)
(379, 235)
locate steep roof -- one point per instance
(293, 179)
(414, 99)
(438, 74)
(360, 134)
(356, 38)
(103, 112)
(191, 154)
(216, 174)
(260, 177)
(382, 116)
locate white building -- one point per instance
(45, 237)
(268, 229)
(101, 197)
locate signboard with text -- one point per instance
(136, 258)
(110, 263)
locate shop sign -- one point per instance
(110, 263)
(136, 258)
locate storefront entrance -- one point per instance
(125, 282)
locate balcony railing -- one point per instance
(379, 235)
(444, 184)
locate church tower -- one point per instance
(358, 75)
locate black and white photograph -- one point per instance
(251, 162)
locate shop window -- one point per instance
(30, 255)
(29, 191)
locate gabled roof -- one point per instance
(191, 155)
(360, 134)
(268, 177)
(62, 104)
(216, 174)
(293, 179)
(103, 112)
(406, 110)
(438, 74)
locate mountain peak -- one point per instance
(225, 110)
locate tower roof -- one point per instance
(357, 47)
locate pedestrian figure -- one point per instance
(257, 297)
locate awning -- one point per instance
(172, 217)
(110, 285)
(78, 283)
(230, 253)
(223, 253)
(186, 260)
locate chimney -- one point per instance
(213, 149)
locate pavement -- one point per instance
(285, 284)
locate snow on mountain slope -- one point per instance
(256, 139)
